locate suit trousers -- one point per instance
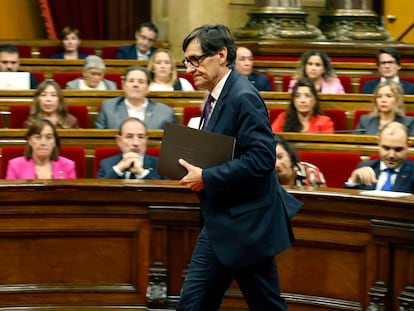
(208, 280)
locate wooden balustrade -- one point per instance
(90, 139)
(117, 244)
(179, 99)
(276, 68)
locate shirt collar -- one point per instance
(219, 87)
(383, 167)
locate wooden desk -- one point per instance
(89, 244)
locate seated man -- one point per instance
(392, 171)
(135, 83)
(244, 65)
(388, 63)
(133, 163)
(145, 36)
(10, 61)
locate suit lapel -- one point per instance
(218, 108)
(400, 183)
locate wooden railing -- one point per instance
(88, 244)
(178, 100)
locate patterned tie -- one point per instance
(207, 109)
(388, 185)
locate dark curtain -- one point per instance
(100, 19)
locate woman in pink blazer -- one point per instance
(304, 113)
(41, 159)
(316, 66)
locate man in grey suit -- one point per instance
(392, 164)
(135, 84)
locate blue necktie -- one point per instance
(388, 184)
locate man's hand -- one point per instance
(364, 175)
(131, 161)
(193, 179)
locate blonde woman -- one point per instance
(163, 73)
(388, 107)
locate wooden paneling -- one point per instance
(114, 240)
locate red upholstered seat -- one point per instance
(191, 112)
(346, 82)
(101, 153)
(109, 52)
(40, 76)
(188, 77)
(76, 154)
(115, 77)
(48, 51)
(274, 112)
(335, 166)
(20, 113)
(81, 113)
(338, 117)
(62, 78)
(357, 117)
(25, 51)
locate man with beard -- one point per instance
(132, 163)
(392, 171)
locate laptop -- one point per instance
(14, 80)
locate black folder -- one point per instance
(200, 148)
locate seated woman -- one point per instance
(48, 103)
(388, 107)
(303, 113)
(316, 66)
(71, 42)
(163, 73)
(93, 76)
(41, 159)
(291, 172)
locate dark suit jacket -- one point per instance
(62, 56)
(403, 183)
(369, 124)
(242, 204)
(261, 82)
(130, 52)
(370, 85)
(106, 171)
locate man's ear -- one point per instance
(222, 54)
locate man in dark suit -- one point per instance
(132, 163)
(244, 65)
(10, 61)
(145, 36)
(243, 206)
(393, 164)
(389, 63)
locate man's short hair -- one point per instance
(392, 127)
(149, 25)
(139, 68)
(391, 51)
(8, 48)
(129, 119)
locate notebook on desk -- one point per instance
(14, 80)
(200, 148)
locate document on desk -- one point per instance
(387, 194)
(200, 148)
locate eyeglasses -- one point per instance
(195, 60)
(388, 62)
